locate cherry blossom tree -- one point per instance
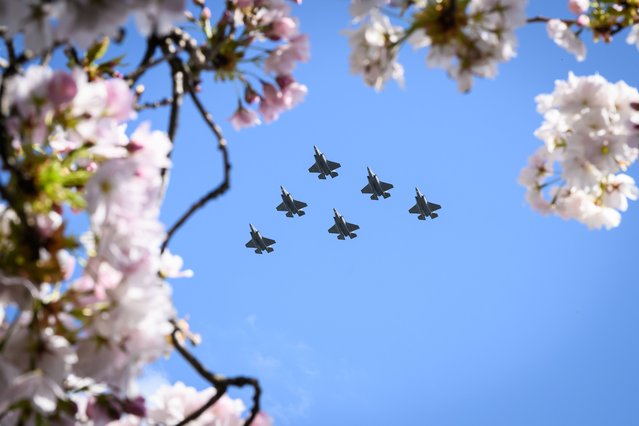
(81, 315)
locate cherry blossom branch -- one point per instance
(220, 383)
(226, 182)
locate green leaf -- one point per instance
(97, 50)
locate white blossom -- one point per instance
(372, 51)
(563, 36)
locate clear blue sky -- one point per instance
(489, 315)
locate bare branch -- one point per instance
(536, 19)
(154, 104)
(226, 182)
(151, 46)
(219, 382)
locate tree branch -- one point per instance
(145, 62)
(226, 182)
(220, 383)
(536, 19)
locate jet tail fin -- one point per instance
(258, 251)
(374, 197)
(421, 217)
(321, 176)
(289, 214)
(433, 215)
(269, 249)
(340, 237)
(352, 235)
(386, 194)
(334, 174)
(301, 212)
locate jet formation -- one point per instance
(423, 208)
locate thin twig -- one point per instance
(536, 19)
(151, 46)
(154, 104)
(220, 383)
(226, 182)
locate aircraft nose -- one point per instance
(370, 172)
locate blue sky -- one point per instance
(489, 315)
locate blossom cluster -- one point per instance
(604, 19)
(43, 21)
(270, 21)
(466, 38)
(589, 141)
(374, 49)
(73, 344)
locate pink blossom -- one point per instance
(578, 6)
(119, 100)
(283, 28)
(583, 20)
(61, 88)
(262, 419)
(283, 59)
(243, 118)
(272, 103)
(293, 94)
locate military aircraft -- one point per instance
(376, 186)
(290, 205)
(323, 166)
(258, 242)
(343, 228)
(423, 207)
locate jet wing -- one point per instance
(333, 165)
(281, 208)
(334, 230)
(268, 241)
(299, 204)
(367, 189)
(433, 206)
(251, 244)
(385, 186)
(351, 227)
(314, 168)
(414, 209)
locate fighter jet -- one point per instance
(290, 205)
(423, 207)
(258, 242)
(343, 228)
(323, 166)
(376, 186)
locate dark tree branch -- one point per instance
(220, 383)
(226, 182)
(536, 19)
(154, 105)
(151, 46)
